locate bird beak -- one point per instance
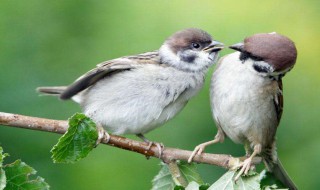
(213, 47)
(237, 47)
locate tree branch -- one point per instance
(168, 155)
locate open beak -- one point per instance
(237, 47)
(213, 47)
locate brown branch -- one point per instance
(168, 155)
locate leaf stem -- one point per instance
(176, 174)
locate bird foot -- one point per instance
(102, 136)
(197, 151)
(160, 147)
(200, 148)
(246, 165)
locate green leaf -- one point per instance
(195, 186)
(226, 182)
(77, 142)
(204, 186)
(18, 174)
(268, 180)
(190, 173)
(164, 180)
(2, 156)
(272, 187)
(250, 182)
(3, 179)
(178, 187)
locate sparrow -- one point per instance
(136, 94)
(247, 98)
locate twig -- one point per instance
(168, 155)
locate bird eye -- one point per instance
(195, 45)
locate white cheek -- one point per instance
(207, 59)
(249, 64)
(202, 62)
(167, 56)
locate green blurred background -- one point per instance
(52, 43)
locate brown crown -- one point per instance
(275, 49)
(182, 39)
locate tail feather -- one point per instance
(274, 165)
(52, 90)
(281, 174)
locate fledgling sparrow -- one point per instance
(135, 94)
(246, 98)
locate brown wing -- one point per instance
(109, 68)
(278, 101)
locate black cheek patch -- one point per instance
(260, 68)
(188, 58)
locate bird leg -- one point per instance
(246, 164)
(247, 148)
(200, 148)
(103, 135)
(160, 146)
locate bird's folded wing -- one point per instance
(278, 101)
(109, 68)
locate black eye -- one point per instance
(195, 45)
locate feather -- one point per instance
(109, 68)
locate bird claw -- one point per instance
(200, 148)
(160, 147)
(245, 167)
(197, 151)
(102, 136)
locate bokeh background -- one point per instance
(52, 43)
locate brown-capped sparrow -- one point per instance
(136, 94)
(246, 98)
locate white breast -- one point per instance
(242, 101)
(136, 101)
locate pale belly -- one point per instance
(247, 120)
(127, 104)
(242, 103)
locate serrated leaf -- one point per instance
(226, 182)
(164, 181)
(2, 156)
(268, 180)
(77, 142)
(3, 179)
(189, 171)
(18, 174)
(193, 186)
(250, 182)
